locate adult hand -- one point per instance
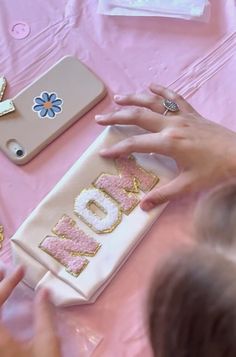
(45, 342)
(205, 152)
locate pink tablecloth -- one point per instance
(128, 54)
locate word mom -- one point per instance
(113, 195)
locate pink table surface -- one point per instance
(128, 54)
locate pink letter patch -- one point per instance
(123, 187)
(71, 246)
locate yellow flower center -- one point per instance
(47, 105)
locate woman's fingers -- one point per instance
(164, 92)
(141, 117)
(175, 188)
(154, 100)
(146, 100)
(168, 93)
(145, 143)
(8, 284)
(46, 342)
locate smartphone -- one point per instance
(47, 107)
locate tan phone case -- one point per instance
(48, 107)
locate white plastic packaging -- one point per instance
(183, 9)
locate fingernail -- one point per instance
(118, 97)
(99, 117)
(20, 270)
(45, 295)
(147, 206)
(108, 154)
(103, 151)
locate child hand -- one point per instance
(45, 342)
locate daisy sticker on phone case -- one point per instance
(47, 105)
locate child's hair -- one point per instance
(193, 302)
(215, 219)
(193, 307)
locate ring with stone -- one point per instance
(170, 106)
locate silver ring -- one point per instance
(170, 106)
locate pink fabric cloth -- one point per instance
(128, 54)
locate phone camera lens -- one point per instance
(19, 152)
(16, 149)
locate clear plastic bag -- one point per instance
(77, 340)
